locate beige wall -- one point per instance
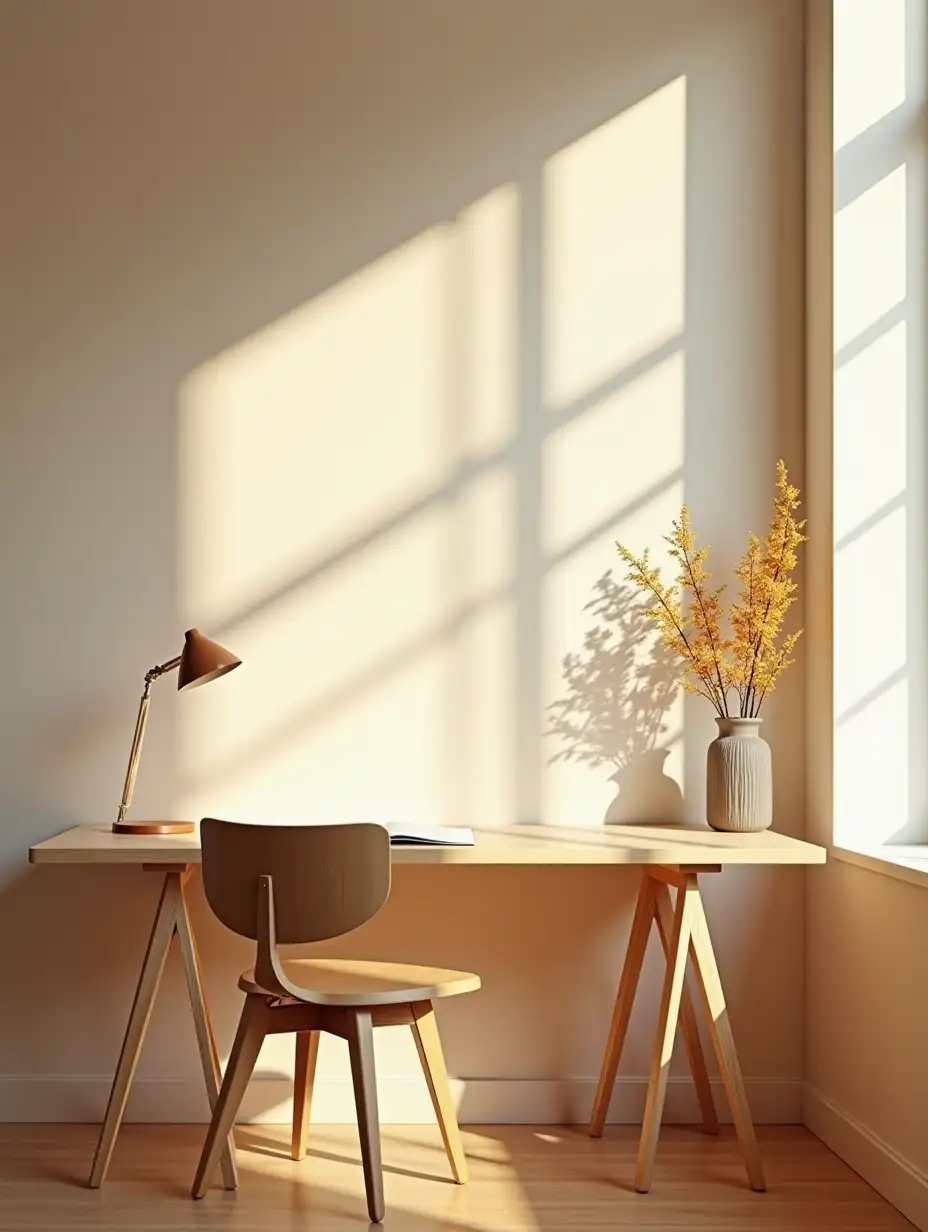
(355, 334)
(867, 968)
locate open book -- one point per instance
(438, 836)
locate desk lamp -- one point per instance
(200, 661)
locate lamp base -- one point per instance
(154, 827)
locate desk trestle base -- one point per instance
(171, 917)
(684, 933)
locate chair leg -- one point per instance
(307, 1050)
(428, 1043)
(360, 1034)
(248, 1039)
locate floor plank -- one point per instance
(523, 1179)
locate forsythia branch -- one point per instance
(668, 616)
(757, 653)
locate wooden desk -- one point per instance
(669, 857)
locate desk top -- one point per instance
(519, 844)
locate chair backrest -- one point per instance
(327, 880)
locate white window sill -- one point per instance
(905, 863)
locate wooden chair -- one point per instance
(296, 884)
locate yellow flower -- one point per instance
(752, 659)
(768, 592)
(708, 644)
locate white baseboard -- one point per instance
(891, 1174)
(403, 1101)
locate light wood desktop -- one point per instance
(669, 856)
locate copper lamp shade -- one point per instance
(200, 661)
(203, 660)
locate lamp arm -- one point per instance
(161, 669)
(140, 723)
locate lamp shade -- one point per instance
(202, 660)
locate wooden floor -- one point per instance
(548, 1179)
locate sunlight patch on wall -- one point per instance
(625, 707)
(480, 751)
(404, 1100)
(316, 430)
(869, 59)
(614, 473)
(872, 737)
(349, 531)
(486, 244)
(340, 692)
(872, 771)
(870, 257)
(870, 426)
(870, 598)
(614, 240)
(613, 455)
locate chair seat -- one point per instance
(353, 982)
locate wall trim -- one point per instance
(403, 1101)
(890, 860)
(899, 1180)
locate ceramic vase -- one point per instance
(739, 778)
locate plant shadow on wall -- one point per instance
(619, 690)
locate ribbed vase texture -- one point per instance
(739, 778)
